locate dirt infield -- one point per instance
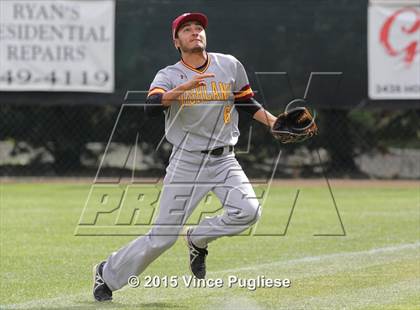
(352, 183)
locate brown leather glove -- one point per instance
(295, 125)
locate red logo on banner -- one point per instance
(413, 47)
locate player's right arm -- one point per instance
(161, 94)
(171, 96)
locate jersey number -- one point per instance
(226, 114)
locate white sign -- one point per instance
(57, 45)
(394, 51)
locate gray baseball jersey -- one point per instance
(205, 117)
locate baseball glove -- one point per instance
(294, 125)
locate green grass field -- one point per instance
(376, 265)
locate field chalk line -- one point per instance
(306, 259)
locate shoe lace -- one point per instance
(99, 280)
(195, 252)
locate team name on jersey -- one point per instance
(219, 92)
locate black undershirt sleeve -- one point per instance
(249, 106)
(153, 106)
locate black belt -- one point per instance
(219, 151)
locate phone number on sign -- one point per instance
(26, 76)
(191, 282)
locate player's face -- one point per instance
(191, 38)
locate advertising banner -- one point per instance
(57, 45)
(394, 50)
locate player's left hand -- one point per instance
(295, 125)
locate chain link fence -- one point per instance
(80, 135)
(81, 141)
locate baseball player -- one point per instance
(200, 96)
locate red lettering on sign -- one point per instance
(412, 48)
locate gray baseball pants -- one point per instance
(189, 177)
